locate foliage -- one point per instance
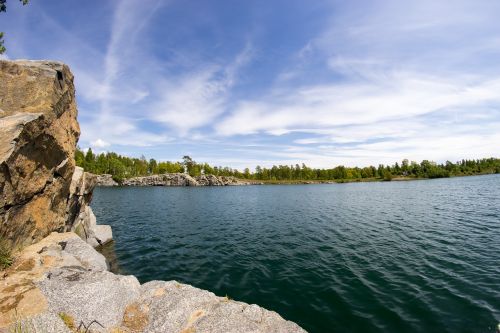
(68, 320)
(121, 167)
(3, 8)
(5, 255)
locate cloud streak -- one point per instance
(355, 83)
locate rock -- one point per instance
(176, 307)
(81, 218)
(38, 135)
(106, 180)
(45, 322)
(21, 298)
(103, 234)
(87, 295)
(84, 253)
(209, 180)
(80, 196)
(181, 179)
(168, 179)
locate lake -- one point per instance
(415, 256)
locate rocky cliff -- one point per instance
(41, 190)
(38, 135)
(181, 179)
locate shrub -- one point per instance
(5, 255)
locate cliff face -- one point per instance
(38, 135)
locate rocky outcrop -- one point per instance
(81, 218)
(62, 277)
(41, 190)
(168, 179)
(181, 179)
(211, 180)
(106, 180)
(38, 135)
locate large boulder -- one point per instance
(38, 135)
(106, 180)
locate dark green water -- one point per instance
(420, 256)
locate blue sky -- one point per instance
(246, 83)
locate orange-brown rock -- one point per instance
(38, 135)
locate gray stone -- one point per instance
(46, 323)
(89, 295)
(106, 180)
(181, 179)
(176, 307)
(103, 233)
(168, 179)
(85, 253)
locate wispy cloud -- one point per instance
(354, 83)
(197, 98)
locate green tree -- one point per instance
(153, 166)
(123, 167)
(79, 157)
(89, 163)
(188, 163)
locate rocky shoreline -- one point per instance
(172, 179)
(58, 282)
(62, 283)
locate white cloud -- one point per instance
(197, 98)
(406, 75)
(99, 143)
(381, 81)
(404, 95)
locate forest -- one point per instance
(121, 167)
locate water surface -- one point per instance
(421, 256)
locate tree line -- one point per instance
(121, 167)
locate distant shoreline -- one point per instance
(183, 180)
(345, 181)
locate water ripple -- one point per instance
(368, 257)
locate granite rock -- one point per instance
(38, 135)
(106, 180)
